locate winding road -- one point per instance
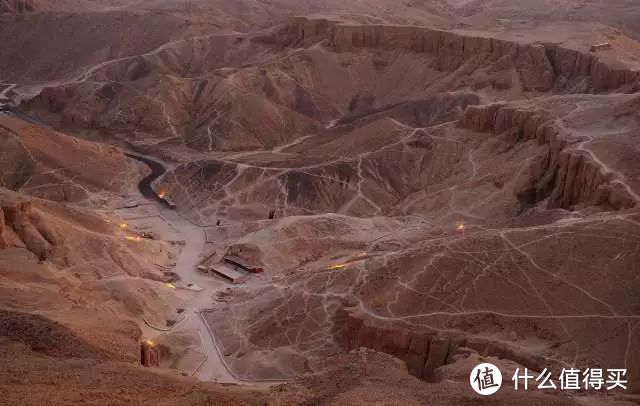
(157, 170)
(213, 368)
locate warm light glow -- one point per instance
(162, 194)
(170, 285)
(150, 343)
(460, 227)
(133, 238)
(123, 226)
(334, 267)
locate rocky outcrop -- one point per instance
(3, 239)
(302, 31)
(425, 351)
(149, 355)
(29, 227)
(569, 64)
(566, 176)
(542, 67)
(17, 6)
(579, 179)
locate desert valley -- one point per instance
(317, 202)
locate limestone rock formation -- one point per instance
(568, 177)
(17, 6)
(543, 66)
(3, 226)
(426, 351)
(20, 219)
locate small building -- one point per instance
(241, 264)
(170, 203)
(600, 47)
(230, 273)
(130, 204)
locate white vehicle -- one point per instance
(129, 204)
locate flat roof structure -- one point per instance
(238, 262)
(169, 202)
(241, 263)
(229, 273)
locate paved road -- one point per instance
(213, 368)
(145, 186)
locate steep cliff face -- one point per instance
(17, 6)
(571, 65)
(301, 31)
(542, 67)
(567, 175)
(26, 223)
(424, 351)
(3, 226)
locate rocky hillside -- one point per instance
(423, 186)
(40, 162)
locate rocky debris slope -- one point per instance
(264, 90)
(509, 253)
(93, 287)
(519, 291)
(403, 165)
(44, 163)
(58, 381)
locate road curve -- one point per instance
(146, 184)
(213, 368)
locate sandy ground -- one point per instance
(213, 368)
(169, 225)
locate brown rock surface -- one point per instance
(3, 226)
(43, 163)
(45, 380)
(439, 182)
(19, 218)
(508, 274)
